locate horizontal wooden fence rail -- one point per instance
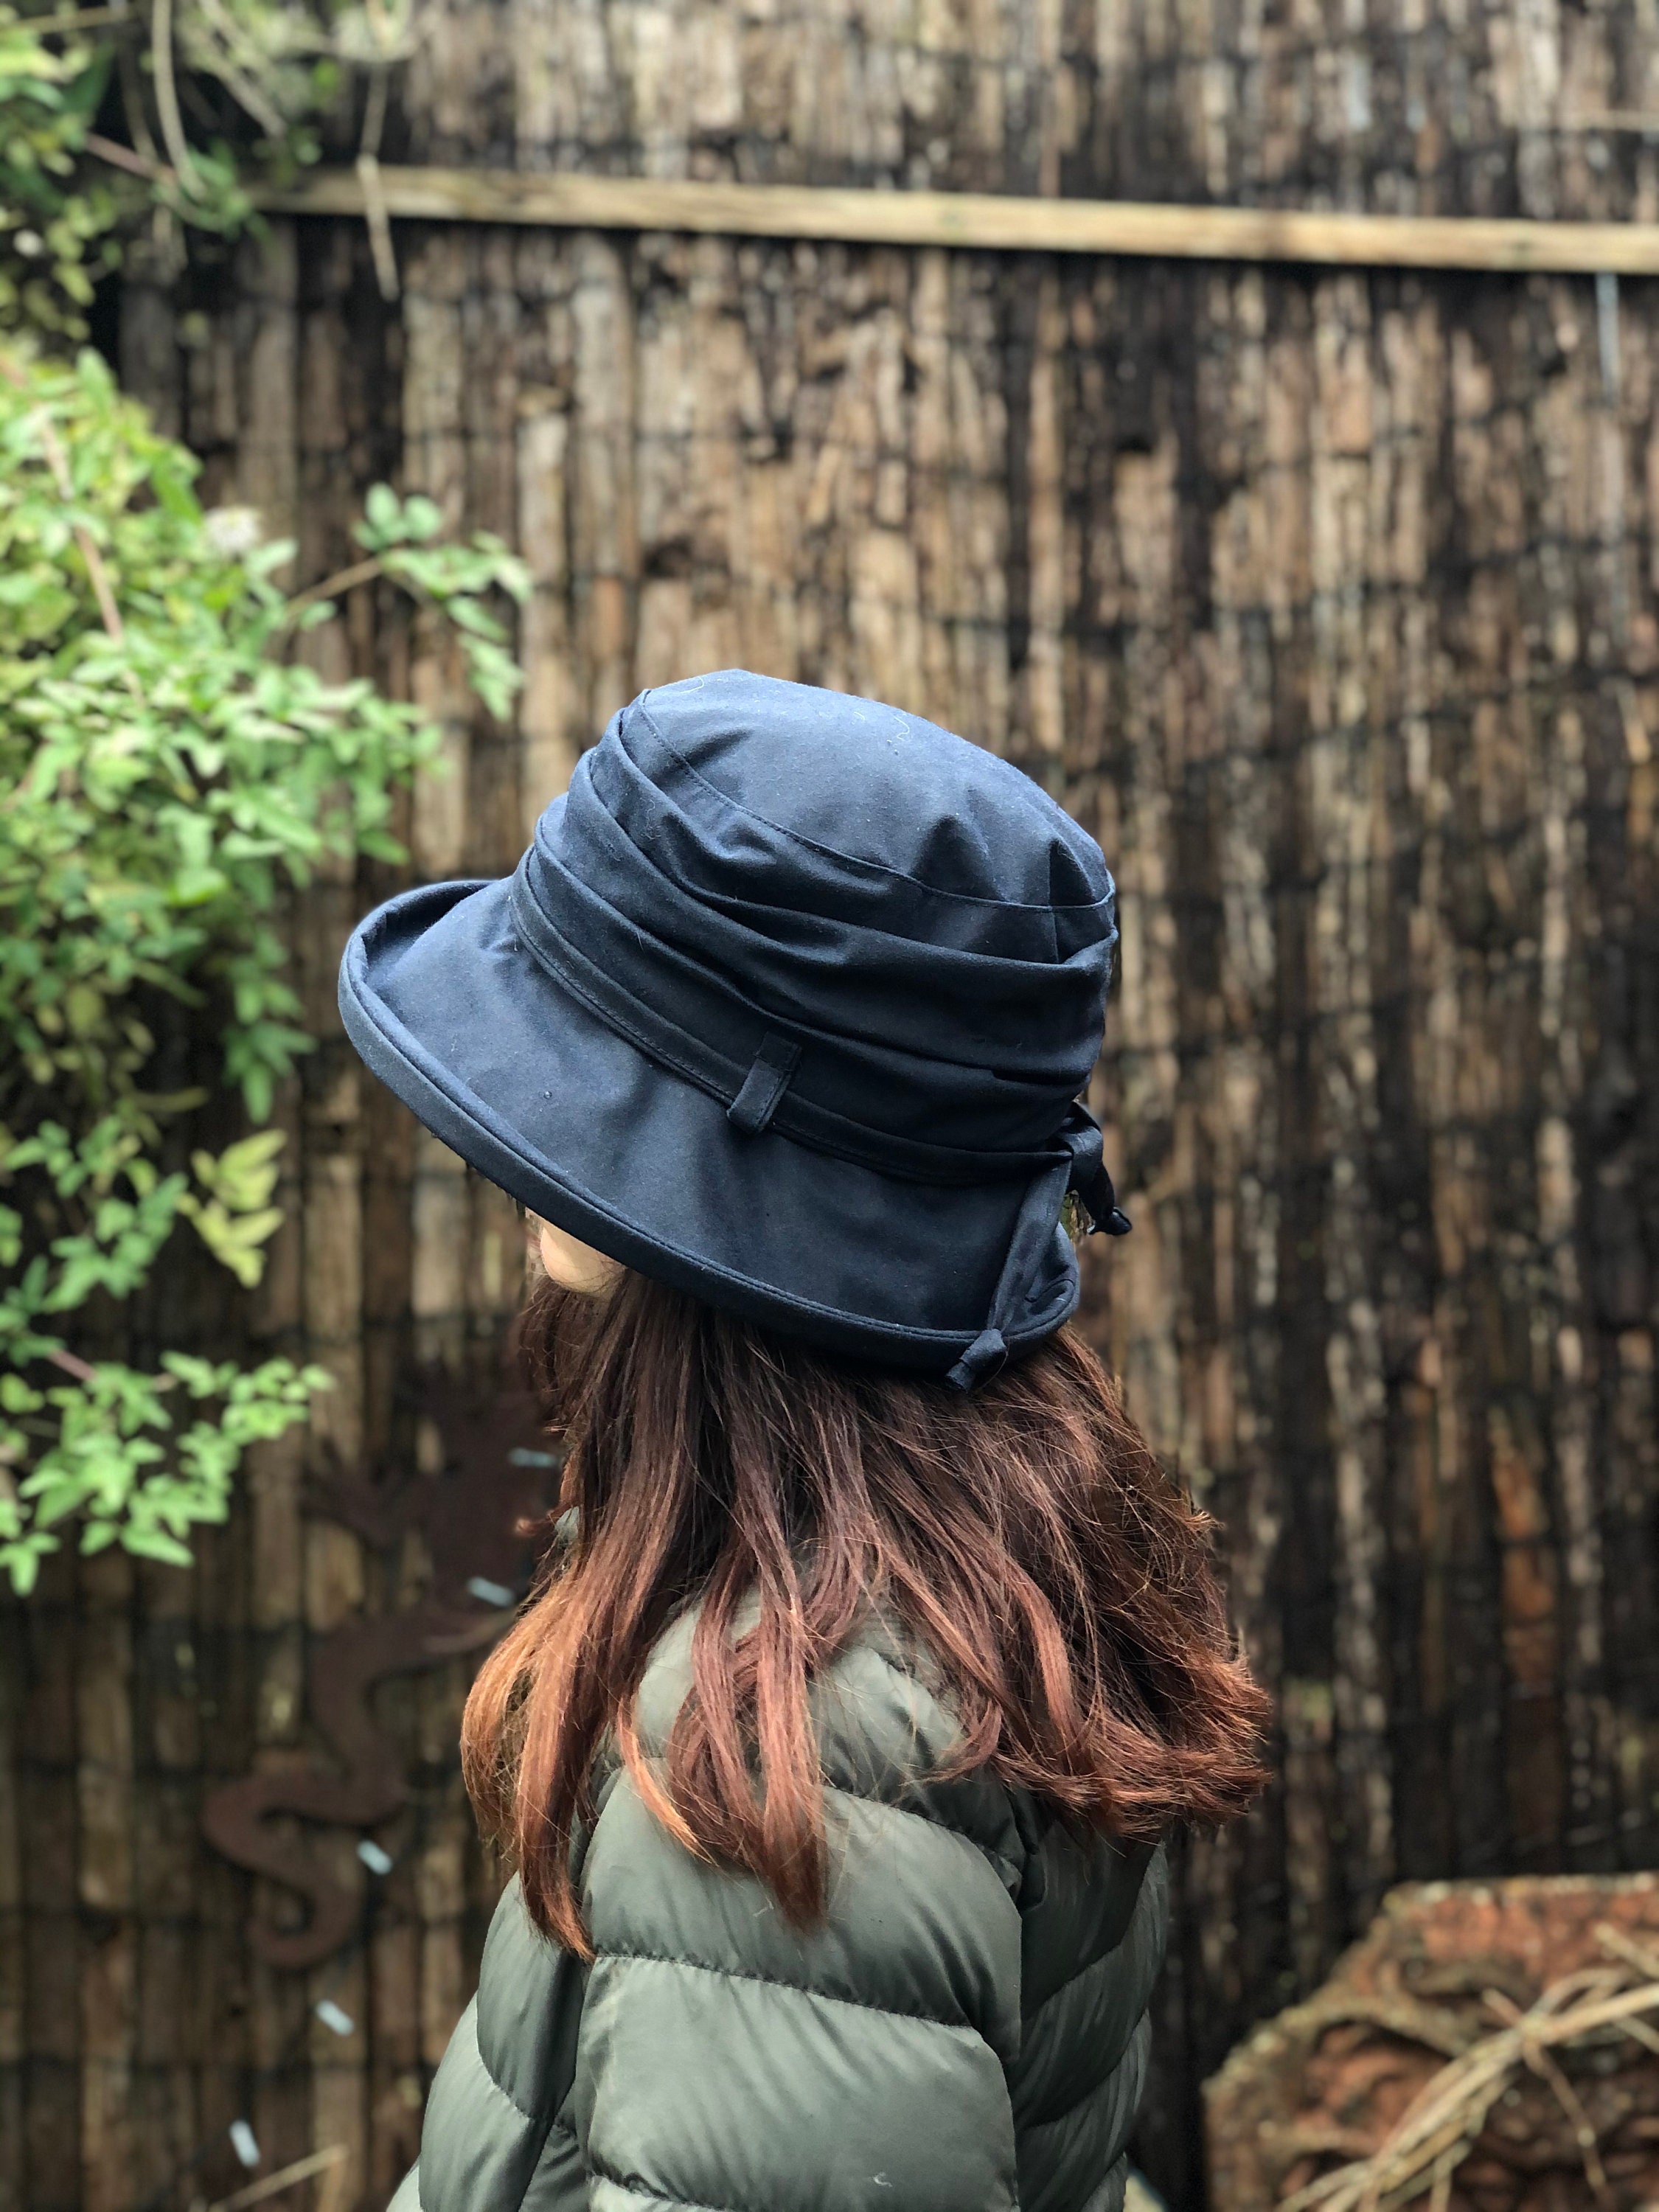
(977, 219)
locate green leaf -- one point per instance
(244, 1175)
(21, 1561)
(380, 507)
(155, 1544)
(234, 1239)
(194, 887)
(83, 1007)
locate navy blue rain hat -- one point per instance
(788, 1003)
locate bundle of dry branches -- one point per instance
(1440, 2127)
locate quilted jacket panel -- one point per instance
(964, 2032)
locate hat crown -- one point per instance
(739, 847)
(806, 841)
(764, 767)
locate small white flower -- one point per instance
(232, 531)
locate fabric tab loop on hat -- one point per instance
(764, 1085)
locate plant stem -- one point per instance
(361, 572)
(80, 19)
(166, 94)
(132, 101)
(122, 157)
(380, 224)
(225, 30)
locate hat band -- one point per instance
(723, 1076)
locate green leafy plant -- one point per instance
(169, 771)
(56, 223)
(261, 80)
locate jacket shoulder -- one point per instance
(883, 1733)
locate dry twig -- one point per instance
(286, 2177)
(166, 94)
(344, 580)
(1546, 2068)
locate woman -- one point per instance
(875, 1654)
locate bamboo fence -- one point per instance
(1326, 598)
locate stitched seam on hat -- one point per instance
(877, 867)
(659, 1054)
(566, 959)
(798, 1988)
(624, 1028)
(770, 1074)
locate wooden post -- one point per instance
(1002, 222)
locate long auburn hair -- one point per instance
(1061, 1587)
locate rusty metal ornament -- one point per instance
(498, 1473)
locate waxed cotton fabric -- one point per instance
(788, 1003)
(965, 2031)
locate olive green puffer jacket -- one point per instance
(964, 2032)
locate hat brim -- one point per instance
(500, 1060)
